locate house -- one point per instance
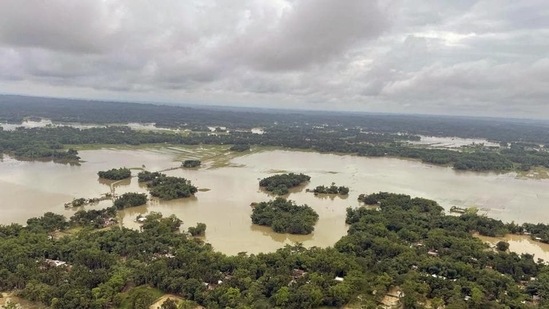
(298, 273)
(55, 263)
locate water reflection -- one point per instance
(279, 237)
(115, 183)
(330, 196)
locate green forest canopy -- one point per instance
(408, 243)
(130, 199)
(285, 216)
(279, 184)
(332, 189)
(115, 174)
(167, 187)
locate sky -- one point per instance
(482, 58)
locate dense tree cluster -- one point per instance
(146, 176)
(279, 184)
(431, 256)
(48, 222)
(408, 245)
(198, 230)
(130, 199)
(240, 147)
(285, 216)
(168, 187)
(122, 268)
(27, 147)
(96, 218)
(337, 138)
(332, 189)
(191, 163)
(538, 231)
(479, 161)
(115, 174)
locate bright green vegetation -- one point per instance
(198, 230)
(115, 174)
(167, 187)
(408, 244)
(285, 216)
(279, 184)
(332, 189)
(240, 148)
(130, 199)
(191, 163)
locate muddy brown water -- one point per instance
(31, 188)
(521, 244)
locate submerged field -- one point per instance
(228, 183)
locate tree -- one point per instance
(115, 174)
(282, 296)
(48, 222)
(169, 188)
(130, 200)
(231, 298)
(191, 163)
(285, 216)
(279, 184)
(240, 147)
(169, 304)
(502, 245)
(198, 230)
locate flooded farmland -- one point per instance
(32, 188)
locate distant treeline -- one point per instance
(523, 143)
(16, 108)
(47, 143)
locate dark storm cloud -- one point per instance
(472, 57)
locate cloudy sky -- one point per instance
(487, 57)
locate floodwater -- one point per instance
(27, 124)
(43, 123)
(521, 244)
(31, 188)
(452, 142)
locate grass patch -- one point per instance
(212, 156)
